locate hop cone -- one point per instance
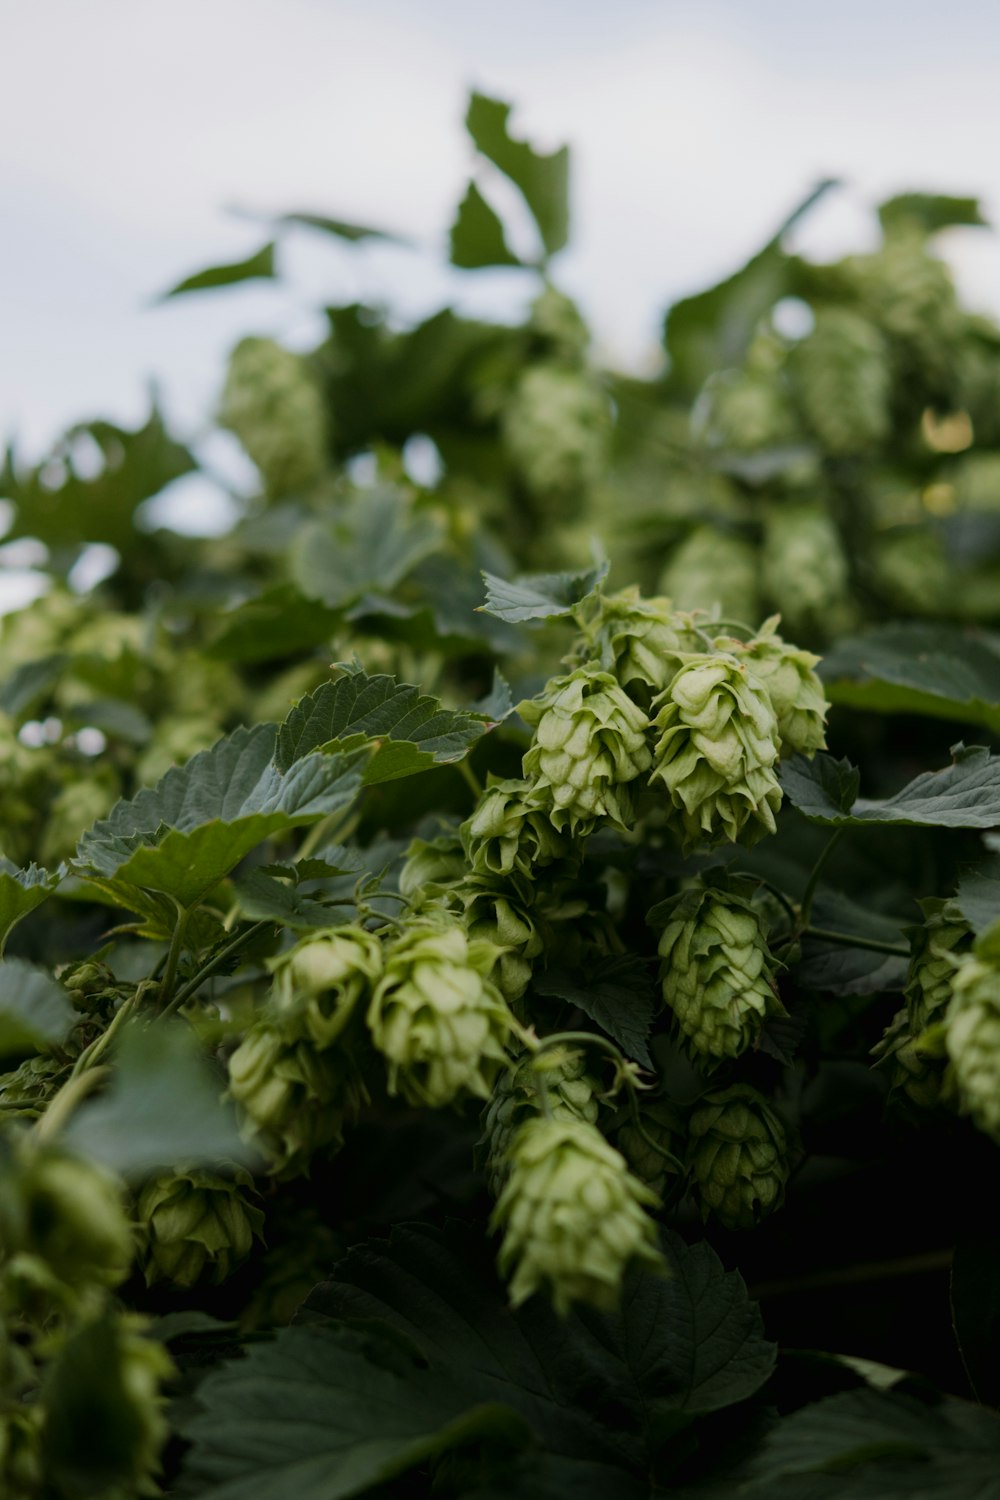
(795, 691)
(556, 428)
(320, 982)
(499, 913)
(26, 1091)
(436, 1017)
(804, 568)
(932, 963)
(67, 1212)
(738, 1156)
(662, 1127)
(910, 295)
(844, 381)
(590, 742)
(916, 1073)
(556, 319)
(718, 742)
(274, 407)
(746, 410)
(573, 1215)
(510, 834)
(196, 1225)
(20, 1453)
(972, 1039)
(717, 973)
(559, 1075)
(714, 568)
(641, 642)
(432, 866)
(913, 572)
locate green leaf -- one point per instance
(929, 211)
(477, 237)
(322, 1413)
(840, 969)
(274, 894)
(542, 180)
(975, 1311)
(277, 623)
(618, 993)
(21, 891)
(540, 596)
(339, 227)
(415, 730)
(35, 1013)
(374, 546)
(936, 670)
(116, 718)
(188, 832)
(978, 894)
(30, 682)
(965, 794)
(163, 1107)
(255, 267)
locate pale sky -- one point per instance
(128, 126)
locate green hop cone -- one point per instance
(556, 319)
(737, 1156)
(499, 912)
(913, 572)
(746, 410)
(844, 381)
(972, 1039)
(641, 642)
(67, 1212)
(436, 1016)
(804, 571)
(793, 687)
(320, 983)
(717, 973)
(716, 751)
(20, 1453)
(714, 568)
(275, 408)
(555, 1079)
(660, 1130)
(915, 1073)
(932, 963)
(26, 1091)
(573, 1216)
(509, 834)
(432, 867)
(589, 744)
(196, 1225)
(556, 428)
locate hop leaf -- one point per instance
(436, 1016)
(717, 972)
(274, 407)
(718, 742)
(972, 1039)
(556, 1081)
(510, 834)
(196, 1224)
(573, 1215)
(589, 745)
(794, 689)
(738, 1156)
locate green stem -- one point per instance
(809, 894)
(69, 1096)
(792, 914)
(89, 1056)
(470, 778)
(174, 956)
(215, 962)
(853, 940)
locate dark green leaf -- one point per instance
(35, 1013)
(338, 227)
(978, 895)
(21, 891)
(542, 180)
(477, 237)
(618, 993)
(277, 623)
(929, 211)
(965, 794)
(256, 267)
(117, 719)
(374, 546)
(540, 596)
(840, 969)
(936, 670)
(975, 1311)
(265, 896)
(29, 683)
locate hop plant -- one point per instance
(556, 427)
(715, 755)
(645, 1145)
(737, 1156)
(793, 687)
(320, 983)
(972, 1039)
(499, 912)
(554, 1081)
(436, 1016)
(641, 642)
(273, 405)
(573, 1216)
(912, 571)
(66, 1212)
(196, 1225)
(20, 1453)
(746, 410)
(717, 973)
(804, 568)
(589, 744)
(714, 568)
(510, 834)
(844, 381)
(431, 867)
(915, 1072)
(932, 963)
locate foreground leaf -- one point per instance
(21, 891)
(978, 895)
(477, 237)
(618, 993)
(965, 794)
(936, 670)
(35, 1013)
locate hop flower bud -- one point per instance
(641, 642)
(804, 568)
(916, 1073)
(717, 973)
(557, 1078)
(319, 983)
(738, 1156)
(499, 912)
(436, 1016)
(432, 866)
(196, 1222)
(932, 963)
(844, 381)
(67, 1212)
(27, 1090)
(714, 568)
(662, 1127)
(590, 742)
(572, 1215)
(276, 410)
(748, 409)
(972, 1039)
(795, 691)
(716, 752)
(509, 834)
(556, 427)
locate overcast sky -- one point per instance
(127, 127)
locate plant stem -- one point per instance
(215, 962)
(88, 1057)
(66, 1101)
(809, 894)
(174, 956)
(470, 778)
(854, 940)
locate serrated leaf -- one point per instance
(184, 835)
(321, 1414)
(477, 237)
(617, 993)
(939, 671)
(978, 894)
(21, 891)
(35, 1012)
(373, 546)
(543, 180)
(265, 896)
(839, 969)
(965, 794)
(256, 267)
(415, 730)
(163, 1107)
(540, 596)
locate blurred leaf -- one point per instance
(542, 180)
(936, 670)
(256, 267)
(21, 891)
(618, 993)
(339, 227)
(965, 794)
(279, 622)
(540, 596)
(373, 547)
(35, 1013)
(115, 718)
(929, 211)
(477, 237)
(29, 683)
(978, 895)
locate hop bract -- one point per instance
(932, 963)
(196, 1224)
(718, 743)
(642, 642)
(510, 834)
(556, 1080)
(738, 1156)
(589, 744)
(436, 1016)
(972, 1038)
(572, 1214)
(717, 973)
(499, 912)
(320, 982)
(794, 689)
